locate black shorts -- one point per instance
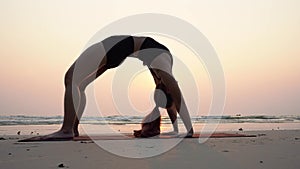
(119, 47)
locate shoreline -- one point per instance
(128, 128)
(270, 149)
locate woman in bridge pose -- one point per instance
(108, 54)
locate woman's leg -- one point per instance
(75, 99)
(102, 68)
(90, 65)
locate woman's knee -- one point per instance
(69, 77)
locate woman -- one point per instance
(108, 54)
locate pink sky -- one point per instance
(257, 44)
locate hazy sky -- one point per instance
(257, 43)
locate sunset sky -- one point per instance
(258, 44)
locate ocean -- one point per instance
(34, 125)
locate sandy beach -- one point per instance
(270, 149)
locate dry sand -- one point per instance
(271, 149)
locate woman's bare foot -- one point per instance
(57, 136)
